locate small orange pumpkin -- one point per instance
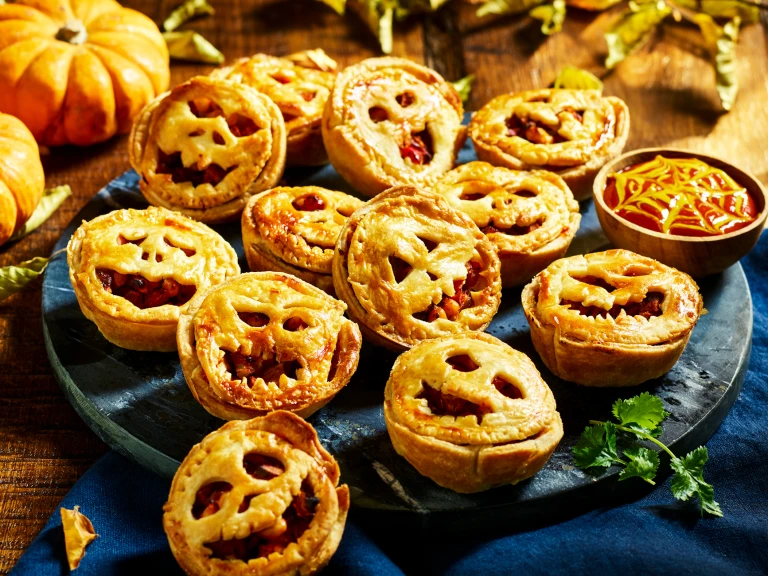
(21, 175)
(78, 71)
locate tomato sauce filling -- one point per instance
(144, 293)
(419, 150)
(309, 203)
(648, 307)
(294, 522)
(450, 306)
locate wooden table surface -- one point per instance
(668, 85)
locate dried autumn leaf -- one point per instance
(316, 59)
(49, 203)
(78, 533)
(749, 13)
(14, 278)
(573, 78)
(593, 5)
(633, 29)
(188, 10)
(505, 6)
(378, 15)
(551, 15)
(337, 5)
(721, 42)
(464, 86)
(192, 47)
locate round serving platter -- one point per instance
(139, 403)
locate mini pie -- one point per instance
(389, 122)
(470, 412)
(300, 87)
(134, 272)
(206, 146)
(256, 498)
(611, 318)
(530, 217)
(570, 132)
(294, 230)
(266, 341)
(410, 268)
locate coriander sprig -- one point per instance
(641, 417)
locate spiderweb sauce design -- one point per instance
(683, 196)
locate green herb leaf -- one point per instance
(574, 78)
(644, 412)
(14, 278)
(188, 10)
(552, 16)
(49, 203)
(378, 15)
(721, 42)
(725, 9)
(506, 6)
(190, 46)
(688, 481)
(633, 29)
(464, 86)
(596, 447)
(337, 5)
(643, 463)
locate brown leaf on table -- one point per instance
(315, 59)
(78, 533)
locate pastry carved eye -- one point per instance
(462, 363)
(309, 203)
(123, 240)
(405, 99)
(507, 388)
(210, 498)
(242, 126)
(205, 108)
(294, 324)
(254, 319)
(430, 244)
(400, 268)
(188, 252)
(377, 114)
(594, 281)
(262, 467)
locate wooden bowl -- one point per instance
(698, 256)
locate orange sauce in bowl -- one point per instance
(683, 196)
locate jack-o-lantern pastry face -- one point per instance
(530, 217)
(206, 147)
(411, 268)
(391, 122)
(470, 412)
(570, 132)
(300, 87)
(259, 497)
(294, 230)
(134, 272)
(611, 318)
(266, 341)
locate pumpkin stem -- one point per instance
(73, 32)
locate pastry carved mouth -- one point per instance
(648, 307)
(449, 307)
(171, 164)
(419, 150)
(144, 293)
(286, 530)
(513, 230)
(532, 131)
(442, 404)
(264, 366)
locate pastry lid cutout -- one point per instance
(410, 268)
(256, 497)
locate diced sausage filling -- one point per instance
(210, 498)
(144, 293)
(532, 131)
(450, 306)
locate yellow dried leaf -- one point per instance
(316, 59)
(190, 46)
(464, 86)
(337, 5)
(78, 533)
(721, 42)
(188, 10)
(633, 29)
(593, 5)
(573, 78)
(551, 15)
(506, 6)
(378, 15)
(749, 13)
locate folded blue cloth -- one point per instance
(652, 535)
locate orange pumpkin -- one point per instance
(21, 175)
(78, 71)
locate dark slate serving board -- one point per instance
(139, 403)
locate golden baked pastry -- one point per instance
(530, 217)
(300, 87)
(206, 146)
(470, 412)
(294, 230)
(611, 318)
(411, 268)
(389, 122)
(256, 498)
(266, 341)
(134, 272)
(570, 132)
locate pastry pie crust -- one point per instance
(570, 132)
(481, 436)
(156, 244)
(205, 147)
(381, 107)
(590, 346)
(300, 89)
(277, 501)
(530, 217)
(294, 230)
(266, 341)
(407, 253)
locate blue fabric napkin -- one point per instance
(653, 535)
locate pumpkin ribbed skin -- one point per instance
(21, 175)
(80, 88)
